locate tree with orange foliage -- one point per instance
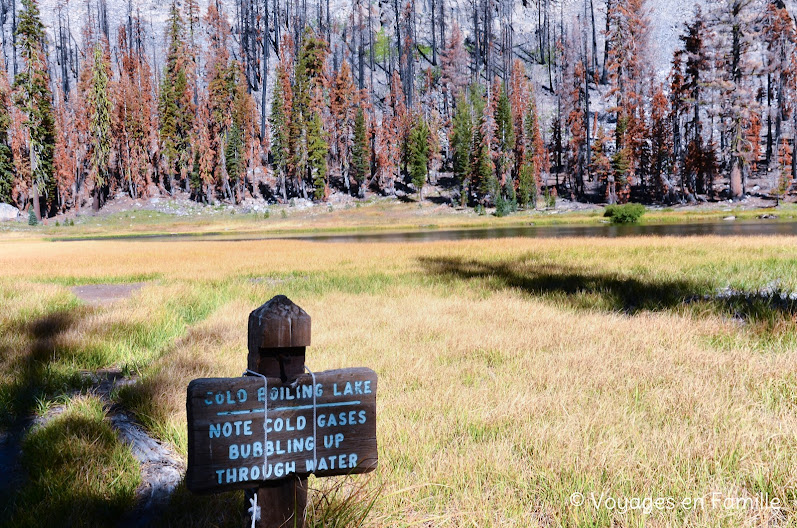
(65, 159)
(752, 131)
(205, 154)
(434, 122)
(454, 69)
(575, 103)
(343, 102)
(6, 157)
(661, 149)
(399, 124)
(780, 36)
(783, 179)
(627, 66)
(132, 123)
(389, 138)
(240, 144)
(19, 153)
(519, 98)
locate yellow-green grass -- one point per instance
(513, 373)
(374, 215)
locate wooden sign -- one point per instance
(245, 431)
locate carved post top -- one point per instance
(279, 323)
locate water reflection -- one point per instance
(725, 228)
(759, 228)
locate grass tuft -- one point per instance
(79, 473)
(341, 502)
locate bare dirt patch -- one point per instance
(101, 294)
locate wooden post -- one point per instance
(279, 332)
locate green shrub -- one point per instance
(549, 198)
(624, 214)
(505, 206)
(32, 220)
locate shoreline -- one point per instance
(157, 218)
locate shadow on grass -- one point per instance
(79, 473)
(33, 378)
(587, 289)
(580, 288)
(36, 364)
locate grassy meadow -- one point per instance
(513, 373)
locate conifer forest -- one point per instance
(507, 102)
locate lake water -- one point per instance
(724, 228)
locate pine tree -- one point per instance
(454, 71)
(601, 164)
(219, 78)
(388, 138)
(135, 112)
(175, 105)
(483, 182)
(783, 175)
(67, 153)
(399, 125)
(309, 80)
(780, 35)
(621, 165)
(520, 98)
(234, 161)
(735, 36)
(242, 144)
(7, 173)
(462, 133)
(628, 30)
(280, 122)
(661, 141)
(342, 106)
(33, 98)
(99, 110)
(205, 155)
(575, 98)
(418, 154)
(360, 152)
(533, 158)
(505, 135)
(317, 150)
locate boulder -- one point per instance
(8, 212)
